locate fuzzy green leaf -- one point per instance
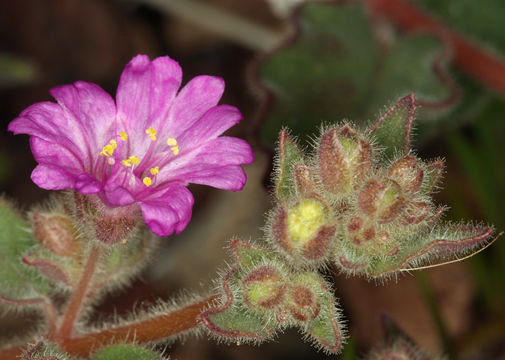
(392, 130)
(248, 254)
(335, 70)
(326, 329)
(126, 352)
(289, 156)
(442, 244)
(236, 322)
(17, 281)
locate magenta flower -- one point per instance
(145, 148)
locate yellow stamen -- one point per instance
(171, 142)
(126, 162)
(175, 149)
(108, 150)
(155, 170)
(135, 160)
(147, 181)
(123, 135)
(152, 133)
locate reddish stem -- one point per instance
(470, 58)
(79, 296)
(142, 332)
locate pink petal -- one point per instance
(87, 184)
(212, 124)
(169, 211)
(51, 153)
(144, 96)
(90, 111)
(52, 177)
(231, 177)
(50, 122)
(219, 152)
(192, 102)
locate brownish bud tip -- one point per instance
(344, 158)
(408, 173)
(381, 200)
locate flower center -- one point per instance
(132, 160)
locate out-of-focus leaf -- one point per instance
(18, 282)
(335, 69)
(15, 71)
(480, 21)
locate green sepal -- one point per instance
(392, 130)
(248, 254)
(233, 321)
(326, 330)
(18, 282)
(238, 323)
(288, 156)
(442, 244)
(126, 352)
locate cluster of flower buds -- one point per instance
(64, 232)
(361, 200)
(263, 295)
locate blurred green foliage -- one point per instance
(336, 69)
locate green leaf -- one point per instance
(288, 156)
(442, 244)
(335, 70)
(482, 21)
(17, 281)
(237, 323)
(126, 352)
(392, 130)
(326, 329)
(233, 321)
(248, 254)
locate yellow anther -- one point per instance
(134, 160)
(175, 149)
(123, 135)
(155, 170)
(126, 162)
(152, 133)
(147, 181)
(108, 149)
(171, 142)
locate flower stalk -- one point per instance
(80, 295)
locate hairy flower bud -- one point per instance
(303, 299)
(56, 233)
(344, 159)
(303, 230)
(408, 173)
(264, 287)
(381, 200)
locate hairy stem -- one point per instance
(79, 296)
(144, 331)
(472, 59)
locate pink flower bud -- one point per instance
(344, 159)
(381, 200)
(408, 173)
